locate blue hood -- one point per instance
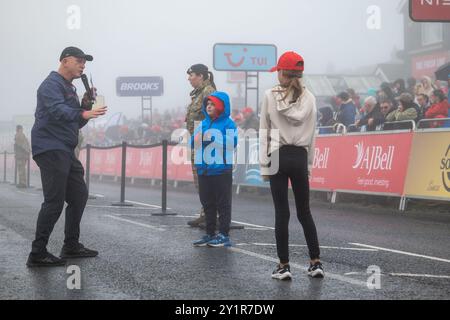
(224, 146)
(226, 101)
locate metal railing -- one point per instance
(445, 123)
(353, 128)
(122, 203)
(338, 128)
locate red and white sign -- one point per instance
(428, 64)
(369, 163)
(430, 10)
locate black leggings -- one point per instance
(293, 166)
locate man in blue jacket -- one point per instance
(58, 118)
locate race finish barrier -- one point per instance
(413, 163)
(141, 161)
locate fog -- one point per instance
(163, 38)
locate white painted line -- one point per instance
(144, 204)
(150, 216)
(411, 275)
(27, 193)
(135, 223)
(257, 229)
(418, 275)
(352, 273)
(97, 195)
(252, 225)
(121, 208)
(296, 266)
(302, 245)
(401, 252)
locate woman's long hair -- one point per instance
(208, 75)
(211, 79)
(293, 85)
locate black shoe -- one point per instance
(44, 260)
(282, 273)
(316, 270)
(197, 223)
(78, 252)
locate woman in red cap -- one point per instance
(287, 128)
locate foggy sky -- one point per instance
(163, 38)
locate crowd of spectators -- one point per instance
(392, 106)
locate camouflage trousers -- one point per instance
(22, 171)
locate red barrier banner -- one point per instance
(325, 164)
(375, 163)
(106, 162)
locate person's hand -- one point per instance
(357, 123)
(92, 114)
(265, 178)
(370, 122)
(86, 99)
(400, 108)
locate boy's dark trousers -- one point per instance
(215, 196)
(62, 176)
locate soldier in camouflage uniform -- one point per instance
(202, 81)
(22, 151)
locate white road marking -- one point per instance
(252, 225)
(148, 216)
(418, 275)
(411, 275)
(255, 226)
(352, 273)
(303, 268)
(401, 252)
(121, 208)
(302, 245)
(97, 195)
(135, 223)
(144, 204)
(28, 194)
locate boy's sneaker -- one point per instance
(44, 260)
(203, 241)
(79, 251)
(282, 273)
(316, 270)
(220, 240)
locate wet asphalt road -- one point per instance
(151, 257)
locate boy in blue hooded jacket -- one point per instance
(214, 141)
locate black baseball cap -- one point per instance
(198, 69)
(75, 52)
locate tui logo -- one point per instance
(445, 167)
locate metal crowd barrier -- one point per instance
(445, 124)
(353, 128)
(122, 203)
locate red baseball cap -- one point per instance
(290, 61)
(247, 110)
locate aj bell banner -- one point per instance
(370, 163)
(429, 168)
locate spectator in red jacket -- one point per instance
(438, 109)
